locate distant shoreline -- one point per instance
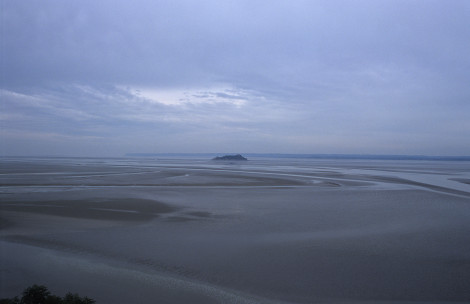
(209, 156)
(311, 156)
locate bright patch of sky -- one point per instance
(181, 97)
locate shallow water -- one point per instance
(261, 231)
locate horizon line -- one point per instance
(269, 155)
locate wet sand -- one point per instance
(262, 231)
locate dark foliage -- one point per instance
(14, 300)
(36, 294)
(39, 294)
(74, 298)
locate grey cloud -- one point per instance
(307, 72)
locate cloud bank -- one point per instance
(108, 78)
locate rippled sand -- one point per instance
(262, 231)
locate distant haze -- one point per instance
(106, 78)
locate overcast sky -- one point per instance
(105, 78)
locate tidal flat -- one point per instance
(148, 230)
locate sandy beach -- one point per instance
(262, 231)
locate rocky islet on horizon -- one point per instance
(230, 157)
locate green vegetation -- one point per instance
(39, 294)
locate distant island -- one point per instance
(312, 156)
(230, 157)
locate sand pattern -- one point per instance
(265, 231)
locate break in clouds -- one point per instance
(106, 78)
